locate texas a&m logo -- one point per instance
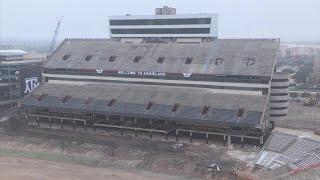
(187, 75)
(31, 84)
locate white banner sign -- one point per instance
(141, 73)
(31, 84)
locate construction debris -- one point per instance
(178, 147)
(213, 168)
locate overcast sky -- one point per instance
(290, 20)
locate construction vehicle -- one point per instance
(313, 100)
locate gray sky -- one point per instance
(291, 20)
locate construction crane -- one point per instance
(55, 37)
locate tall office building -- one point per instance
(165, 25)
(316, 68)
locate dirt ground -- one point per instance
(55, 153)
(133, 158)
(33, 169)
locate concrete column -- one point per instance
(207, 138)
(150, 125)
(261, 142)
(224, 140)
(122, 123)
(177, 135)
(135, 125)
(38, 121)
(229, 141)
(166, 128)
(27, 118)
(108, 128)
(61, 123)
(242, 142)
(74, 124)
(49, 121)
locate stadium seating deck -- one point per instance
(133, 100)
(283, 149)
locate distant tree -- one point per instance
(303, 73)
(293, 95)
(290, 71)
(300, 62)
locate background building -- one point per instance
(166, 11)
(291, 50)
(316, 68)
(165, 25)
(14, 70)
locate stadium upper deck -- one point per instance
(238, 59)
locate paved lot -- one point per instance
(301, 117)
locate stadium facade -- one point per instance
(218, 88)
(18, 76)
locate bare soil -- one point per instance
(34, 169)
(46, 153)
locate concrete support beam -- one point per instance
(74, 124)
(27, 118)
(108, 128)
(61, 123)
(229, 141)
(261, 142)
(50, 124)
(135, 125)
(122, 124)
(242, 142)
(177, 135)
(207, 138)
(150, 125)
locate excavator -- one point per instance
(312, 100)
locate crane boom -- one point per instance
(54, 38)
